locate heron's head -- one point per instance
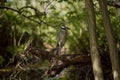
(65, 28)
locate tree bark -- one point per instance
(96, 63)
(117, 12)
(111, 41)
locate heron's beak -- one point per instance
(67, 28)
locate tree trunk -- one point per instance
(118, 16)
(114, 56)
(97, 69)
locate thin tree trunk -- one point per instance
(118, 16)
(97, 68)
(114, 56)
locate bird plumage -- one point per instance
(61, 38)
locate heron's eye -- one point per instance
(63, 28)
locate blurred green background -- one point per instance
(39, 21)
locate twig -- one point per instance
(48, 5)
(28, 17)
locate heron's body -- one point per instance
(61, 38)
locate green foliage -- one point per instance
(1, 59)
(43, 21)
(69, 12)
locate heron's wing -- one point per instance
(61, 39)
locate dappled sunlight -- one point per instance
(58, 40)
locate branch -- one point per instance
(19, 11)
(114, 4)
(67, 60)
(70, 59)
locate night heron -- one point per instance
(61, 38)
